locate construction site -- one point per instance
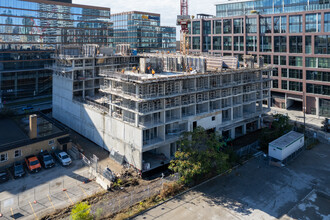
(136, 107)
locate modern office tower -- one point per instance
(138, 113)
(292, 35)
(30, 32)
(143, 32)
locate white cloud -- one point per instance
(168, 9)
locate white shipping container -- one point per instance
(286, 145)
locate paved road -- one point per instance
(258, 191)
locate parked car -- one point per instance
(63, 158)
(4, 176)
(33, 164)
(46, 159)
(18, 169)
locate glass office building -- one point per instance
(30, 31)
(292, 35)
(142, 30)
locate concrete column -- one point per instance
(286, 101)
(259, 123)
(136, 120)
(232, 133)
(244, 129)
(37, 84)
(232, 113)
(15, 85)
(317, 106)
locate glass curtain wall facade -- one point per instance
(143, 32)
(288, 34)
(30, 32)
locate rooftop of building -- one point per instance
(136, 12)
(15, 131)
(222, 2)
(286, 140)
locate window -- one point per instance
(326, 22)
(313, 23)
(206, 27)
(280, 44)
(283, 60)
(227, 43)
(213, 118)
(227, 26)
(318, 62)
(275, 83)
(196, 43)
(239, 43)
(238, 26)
(276, 60)
(308, 44)
(295, 86)
(296, 74)
(295, 24)
(266, 25)
(3, 157)
(311, 62)
(280, 24)
(265, 44)
(275, 72)
(295, 61)
(217, 27)
(251, 25)
(322, 44)
(206, 43)
(51, 142)
(318, 89)
(251, 43)
(267, 59)
(18, 153)
(284, 84)
(295, 44)
(318, 76)
(196, 27)
(216, 43)
(284, 72)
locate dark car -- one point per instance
(4, 176)
(18, 169)
(46, 160)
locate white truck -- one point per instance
(63, 158)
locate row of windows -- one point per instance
(51, 7)
(295, 43)
(236, 26)
(298, 74)
(4, 156)
(269, 7)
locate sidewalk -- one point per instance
(298, 116)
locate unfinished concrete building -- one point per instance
(139, 113)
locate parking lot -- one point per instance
(300, 190)
(36, 194)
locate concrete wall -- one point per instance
(99, 127)
(206, 122)
(32, 149)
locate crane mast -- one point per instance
(183, 20)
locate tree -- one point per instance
(81, 211)
(280, 126)
(200, 154)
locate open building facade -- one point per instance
(30, 32)
(137, 116)
(294, 36)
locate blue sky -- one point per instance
(168, 9)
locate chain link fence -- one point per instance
(46, 198)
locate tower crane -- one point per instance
(183, 20)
